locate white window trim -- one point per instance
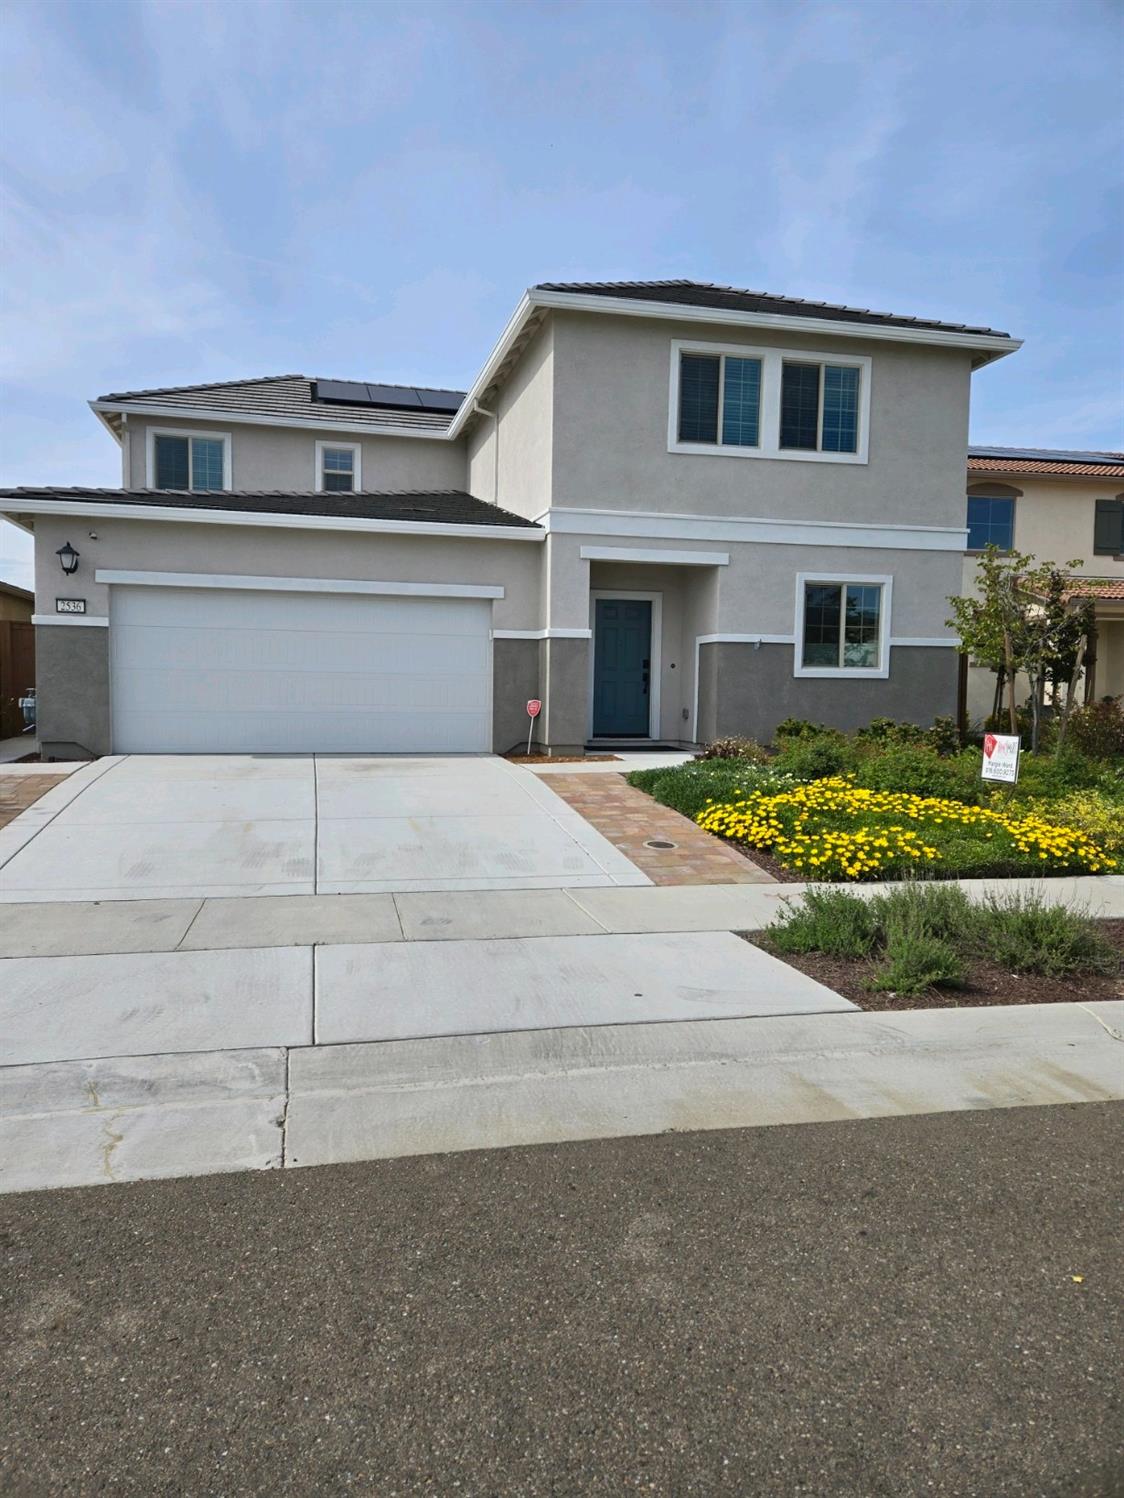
(655, 663)
(845, 673)
(769, 433)
(151, 435)
(356, 450)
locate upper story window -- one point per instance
(819, 407)
(768, 403)
(713, 385)
(1108, 527)
(338, 467)
(991, 521)
(842, 625)
(178, 460)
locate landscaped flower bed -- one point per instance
(919, 945)
(834, 829)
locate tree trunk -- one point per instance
(1008, 654)
(1070, 694)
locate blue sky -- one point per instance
(200, 191)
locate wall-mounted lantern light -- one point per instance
(68, 559)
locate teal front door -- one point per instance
(622, 657)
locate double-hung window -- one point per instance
(991, 521)
(1108, 527)
(842, 626)
(719, 400)
(819, 407)
(179, 461)
(338, 467)
(755, 402)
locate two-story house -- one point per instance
(668, 510)
(1058, 507)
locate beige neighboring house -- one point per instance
(669, 510)
(1058, 507)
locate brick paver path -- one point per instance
(629, 819)
(18, 792)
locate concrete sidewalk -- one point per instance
(87, 927)
(119, 1119)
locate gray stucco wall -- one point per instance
(268, 457)
(515, 680)
(611, 390)
(564, 673)
(168, 546)
(746, 689)
(72, 691)
(517, 475)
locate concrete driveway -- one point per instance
(160, 826)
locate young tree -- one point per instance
(1026, 617)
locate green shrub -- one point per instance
(801, 728)
(814, 758)
(1024, 934)
(826, 920)
(1098, 728)
(918, 909)
(734, 748)
(1049, 776)
(920, 771)
(944, 736)
(915, 966)
(687, 788)
(887, 731)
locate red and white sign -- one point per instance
(1001, 757)
(534, 708)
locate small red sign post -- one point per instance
(534, 708)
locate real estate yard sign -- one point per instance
(1001, 757)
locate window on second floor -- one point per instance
(338, 467)
(713, 386)
(991, 521)
(179, 461)
(819, 407)
(768, 403)
(1108, 527)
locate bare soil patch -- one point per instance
(559, 759)
(987, 982)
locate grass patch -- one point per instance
(691, 787)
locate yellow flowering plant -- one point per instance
(833, 829)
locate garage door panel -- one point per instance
(158, 648)
(221, 671)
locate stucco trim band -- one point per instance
(651, 525)
(297, 584)
(95, 619)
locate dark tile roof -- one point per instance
(281, 396)
(446, 507)
(732, 298)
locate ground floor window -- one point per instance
(842, 625)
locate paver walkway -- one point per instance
(632, 821)
(18, 792)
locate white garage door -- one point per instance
(221, 671)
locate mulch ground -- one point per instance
(987, 982)
(558, 759)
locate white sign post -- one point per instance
(1001, 757)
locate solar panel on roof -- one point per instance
(395, 396)
(440, 400)
(348, 391)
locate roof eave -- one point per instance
(12, 506)
(102, 408)
(986, 348)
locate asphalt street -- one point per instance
(922, 1305)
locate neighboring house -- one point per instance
(1057, 507)
(669, 510)
(17, 656)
